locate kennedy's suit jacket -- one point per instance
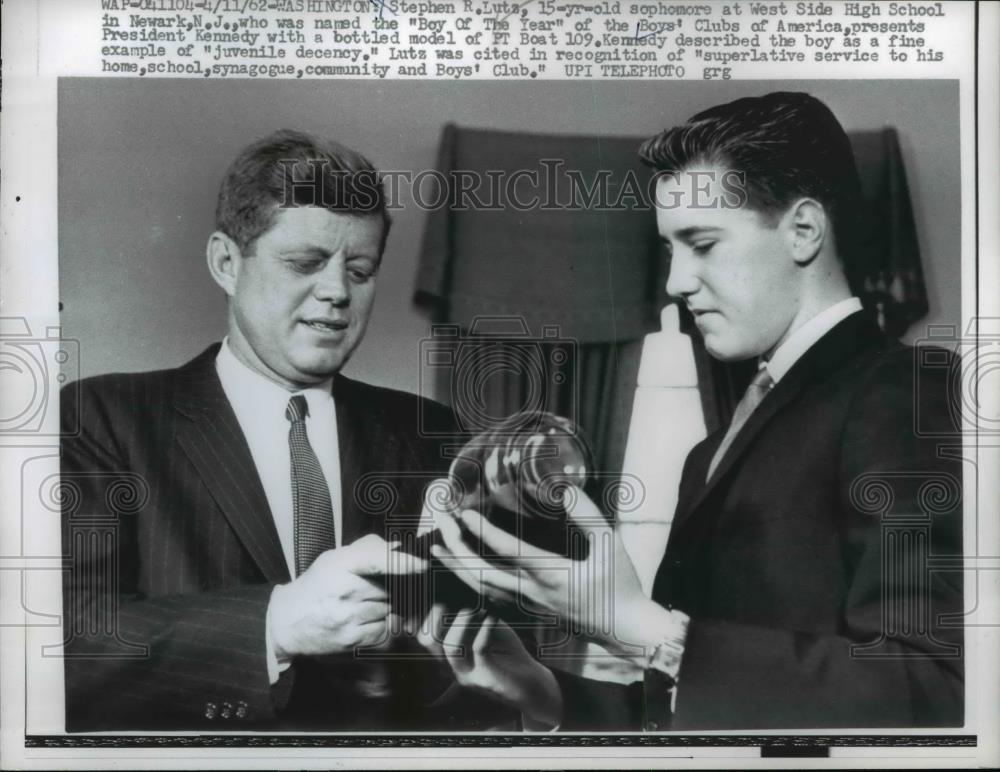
(819, 565)
(174, 553)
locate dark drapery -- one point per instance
(522, 247)
(564, 246)
(884, 266)
(550, 231)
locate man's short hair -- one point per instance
(788, 145)
(290, 169)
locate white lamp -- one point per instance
(667, 421)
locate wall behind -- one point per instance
(140, 162)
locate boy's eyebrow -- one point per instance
(695, 230)
(686, 234)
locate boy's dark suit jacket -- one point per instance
(813, 563)
(174, 554)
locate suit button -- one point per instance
(227, 710)
(652, 726)
(210, 709)
(241, 709)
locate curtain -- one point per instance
(490, 373)
(884, 267)
(533, 246)
(577, 272)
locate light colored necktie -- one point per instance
(755, 393)
(314, 529)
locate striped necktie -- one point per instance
(755, 393)
(314, 529)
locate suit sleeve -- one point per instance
(897, 658)
(135, 662)
(598, 706)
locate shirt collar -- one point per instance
(254, 388)
(800, 341)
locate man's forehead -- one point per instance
(309, 219)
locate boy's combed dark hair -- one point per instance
(787, 145)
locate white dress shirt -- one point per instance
(259, 404)
(803, 339)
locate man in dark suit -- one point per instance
(798, 589)
(225, 521)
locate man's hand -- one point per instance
(335, 605)
(601, 596)
(487, 656)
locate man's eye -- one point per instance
(701, 247)
(361, 271)
(360, 276)
(305, 266)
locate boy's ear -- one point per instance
(807, 229)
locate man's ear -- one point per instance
(224, 259)
(807, 229)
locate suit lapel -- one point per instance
(825, 357)
(692, 483)
(213, 441)
(361, 434)
(783, 393)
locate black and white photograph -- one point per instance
(784, 565)
(587, 422)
